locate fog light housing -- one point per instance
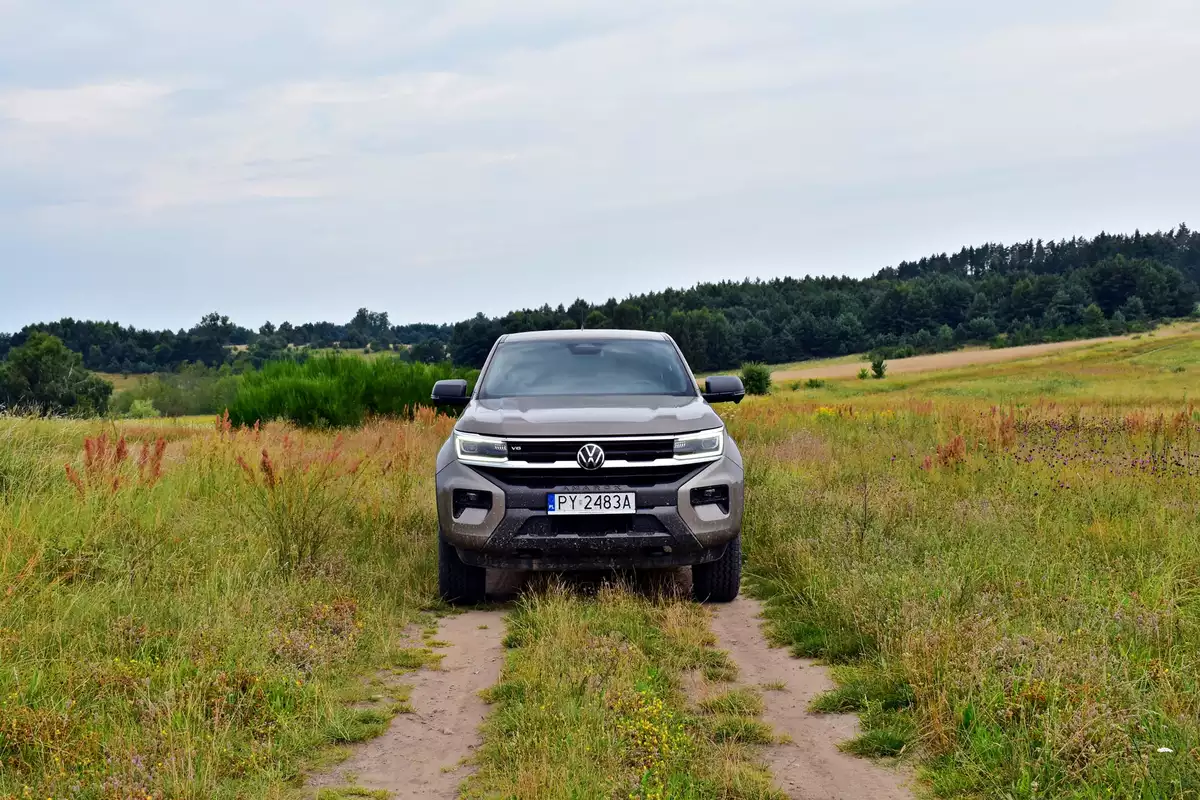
(471, 498)
(712, 496)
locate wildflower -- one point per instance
(268, 469)
(75, 480)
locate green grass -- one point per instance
(1005, 559)
(120, 382)
(743, 701)
(591, 704)
(154, 644)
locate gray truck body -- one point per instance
(493, 510)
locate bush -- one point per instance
(878, 368)
(194, 389)
(336, 391)
(756, 378)
(891, 352)
(142, 409)
(814, 383)
(863, 374)
(297, 499)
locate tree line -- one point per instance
(999, 294)
(216, 341)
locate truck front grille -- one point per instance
(531, 451)
(585, 480)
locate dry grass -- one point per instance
(1006, 559)
(156, 642)
(591, 704)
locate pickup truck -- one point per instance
(588, 450)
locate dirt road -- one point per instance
(936, 361)
(419, 755)
(809, 767)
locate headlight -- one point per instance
(480, 449)
(702, 445)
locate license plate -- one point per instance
(592, 503)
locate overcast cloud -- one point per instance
(297, 160)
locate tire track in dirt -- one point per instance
(809, 767)
(420, 753)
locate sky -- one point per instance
(298, 160)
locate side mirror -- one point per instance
(724, 389)
(450, 393)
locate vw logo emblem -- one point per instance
(590, 456)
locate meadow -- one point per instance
(185, 610)
(1003, 563)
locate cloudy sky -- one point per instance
(294, 159)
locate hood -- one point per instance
(616, 415)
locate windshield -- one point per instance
(601, 367)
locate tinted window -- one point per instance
(638, 366)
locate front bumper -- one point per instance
(517, 533)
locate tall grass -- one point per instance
(1012, 591)
(155, 639)
(336, 391)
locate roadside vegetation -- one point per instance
(176, 623)
(592, 704)
(1003, 562)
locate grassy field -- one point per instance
(120, 382)
(1004, 563)
(1004, 560)
(973, 355)
(185, 611)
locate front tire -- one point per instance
(458, 583)
(719, 581)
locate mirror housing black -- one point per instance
(724, 389)
(450, 393)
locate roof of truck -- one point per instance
(592, 335)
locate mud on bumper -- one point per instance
(667, 530)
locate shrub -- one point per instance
(756, 378)
(878, 368)
(336, 391)
(194, 389)
(863, 374)
(814, 383)
(298, 497)
(142, 409)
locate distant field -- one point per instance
(120, 382)
(848, 366)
